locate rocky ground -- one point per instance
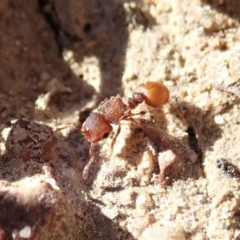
(59, 59)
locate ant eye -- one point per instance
(84, 115)
(154, 94)
(96, 127)
(105, 135)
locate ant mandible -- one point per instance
(111, 111)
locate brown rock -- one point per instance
(169, 164)
(28, 139)
(169, 160)
(25, 208)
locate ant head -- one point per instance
(96, 127)
(153, 93)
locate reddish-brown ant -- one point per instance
(111, 111)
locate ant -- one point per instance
(111, 111)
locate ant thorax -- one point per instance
(114, 109)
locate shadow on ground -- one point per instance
(228, 7)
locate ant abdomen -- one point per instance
(153, 93)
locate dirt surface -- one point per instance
(59, 59)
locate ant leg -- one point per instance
(115, 137)
(69, 126)
(86, 169)
(139, 113)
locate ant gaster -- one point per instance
(111, 111)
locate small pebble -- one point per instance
(218, 119)
(146, 163)
(141, 223)
(5, 133)
(182, 199)
(169, 164)
(168, 232)
(143, 202)
(25, 232)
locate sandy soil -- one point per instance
(59, 59)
